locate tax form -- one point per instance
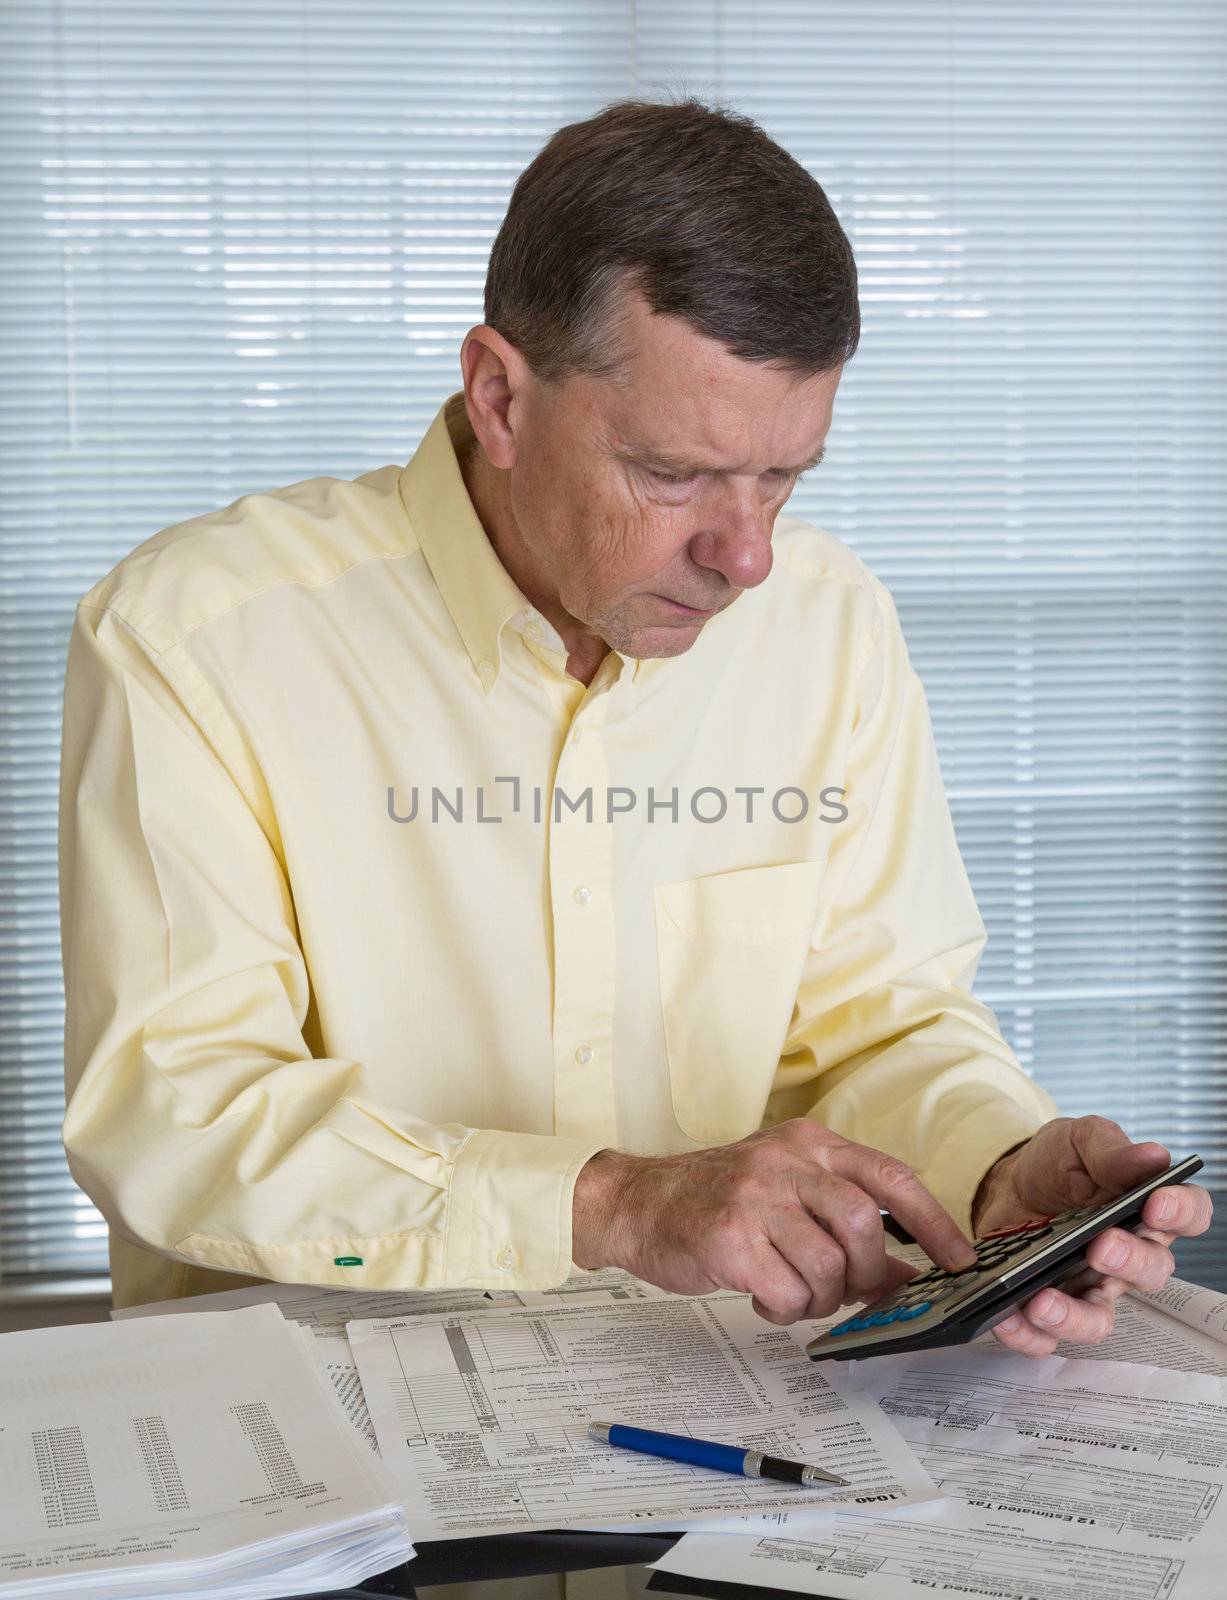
(1063, 1479)
(482, 1417)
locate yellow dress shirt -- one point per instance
(376, 925)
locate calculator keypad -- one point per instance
(937, 1307)
(928, 1289)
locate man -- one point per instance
(537, 853)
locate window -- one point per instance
(244, 243)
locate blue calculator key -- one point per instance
(909, 1312)
(844, 1327)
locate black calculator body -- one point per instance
(941, 1308)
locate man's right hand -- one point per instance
(789, 1215)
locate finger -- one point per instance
(777, 1292)
(1139, 1263)
(848, 1215)
(1016, 1333)
(1085, 1320)
(1180, 1210)
(895, 1186)
(814, 1257)
(1110, 1157)
(820, 1260)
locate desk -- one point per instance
(512, 1555)
(516, 1555)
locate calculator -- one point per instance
(940, 1307)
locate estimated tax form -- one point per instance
(1094, 1478)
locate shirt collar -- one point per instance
(478, 591)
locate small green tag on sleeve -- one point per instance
(347, 1261)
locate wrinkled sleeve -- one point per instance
(887, 1044)
(197, 1118)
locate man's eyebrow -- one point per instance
(668, 463)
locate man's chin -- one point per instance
(663, 635)
(663, 639)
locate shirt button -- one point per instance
(485, 668)
(582, 895)
(533, 631)
(584, 1054)
(506, 1259)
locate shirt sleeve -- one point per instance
(198, 1119)
(887, 1045)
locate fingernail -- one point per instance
(1011, 1324)
(1165, 1208)
(1115, 1254)
(1049, 1312)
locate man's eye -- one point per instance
(672, 477)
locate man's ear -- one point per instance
(494, 374)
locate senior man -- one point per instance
(536, 854)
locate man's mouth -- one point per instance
(685, 610)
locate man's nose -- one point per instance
(736, 541)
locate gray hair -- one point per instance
(697, 209)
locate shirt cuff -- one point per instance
(509, 1214)
(507, 1225)
(970, 1148)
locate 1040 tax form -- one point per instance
(483, 1416)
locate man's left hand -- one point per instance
(1082, 1161)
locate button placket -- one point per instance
(580, 867)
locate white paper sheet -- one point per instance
(1064, 1480)
(483, 1419)
(206, 1441)
(873, 1558)
(1146, 1332)
(1203, 1310)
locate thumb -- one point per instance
(1110, 1158)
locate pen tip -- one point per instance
(818, 1477)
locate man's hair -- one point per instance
(698, 209)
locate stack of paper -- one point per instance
(187, 1455)
(1097, 1474)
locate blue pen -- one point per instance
(703, 1453)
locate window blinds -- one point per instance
(243, 242)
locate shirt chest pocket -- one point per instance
(730, 949)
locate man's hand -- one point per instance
(1081, 1161)
(789, 1215)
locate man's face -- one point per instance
(657, 494)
